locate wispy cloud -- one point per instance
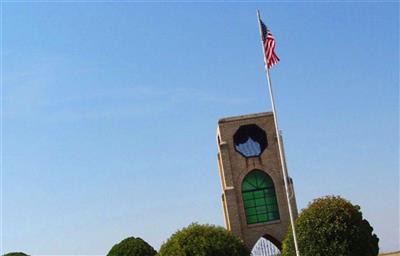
(39, 92)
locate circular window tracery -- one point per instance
(250, 140)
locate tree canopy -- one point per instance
(203, 240)
(16, 254)
(332, 226)
(132, 246)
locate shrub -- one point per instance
(16, 254)
(332, 226)
(132, 246)
(203, 240)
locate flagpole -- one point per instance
(284, 171)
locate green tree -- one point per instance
(203, 240)
(332, 226)
(132, 246)
(16, 254)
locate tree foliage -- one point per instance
(16, 254)
(132, 246)
(332, 226)
(203, 240)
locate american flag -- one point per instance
(269, 46)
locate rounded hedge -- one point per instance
(132, 246)
(332, 226)
(16, 254)
(203, 240)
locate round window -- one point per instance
(250, 140)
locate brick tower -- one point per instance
(253, 191)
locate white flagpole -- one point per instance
(284, 171)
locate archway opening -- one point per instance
(266, 247)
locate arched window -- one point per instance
(259, 198)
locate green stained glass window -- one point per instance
(258, 193)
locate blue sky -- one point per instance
(110, 112)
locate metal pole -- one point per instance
(279, 140)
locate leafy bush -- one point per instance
(332, 226)
(132, 246)
(203, 240)
(16, 254)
